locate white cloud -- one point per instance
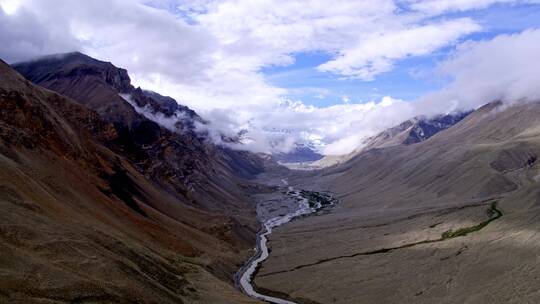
(24, 35)
(378, 52)
(336, 129)
(10, 7)
(148, 41)
(503, 68)
(366, 37)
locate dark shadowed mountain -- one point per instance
(101, 204)
(183, 162)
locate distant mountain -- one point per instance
(409, 132)
(414, 130)
(300, 153)
(102, 204)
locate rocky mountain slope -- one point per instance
(451, 219)
(409, 132)
(181, 160)
(101, 204)
(413, 131)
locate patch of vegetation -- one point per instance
(493, 214)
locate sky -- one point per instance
(324, 73)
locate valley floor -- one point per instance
(483, 251)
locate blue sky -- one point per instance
(409, 79)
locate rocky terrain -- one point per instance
(103, 205)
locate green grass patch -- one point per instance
(493, 214)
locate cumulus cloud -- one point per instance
(146, 40)
(23, 35)
(376, 54)
(364, 37)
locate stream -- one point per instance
(245, 274)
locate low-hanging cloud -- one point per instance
(337, 129)
(174, 122)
